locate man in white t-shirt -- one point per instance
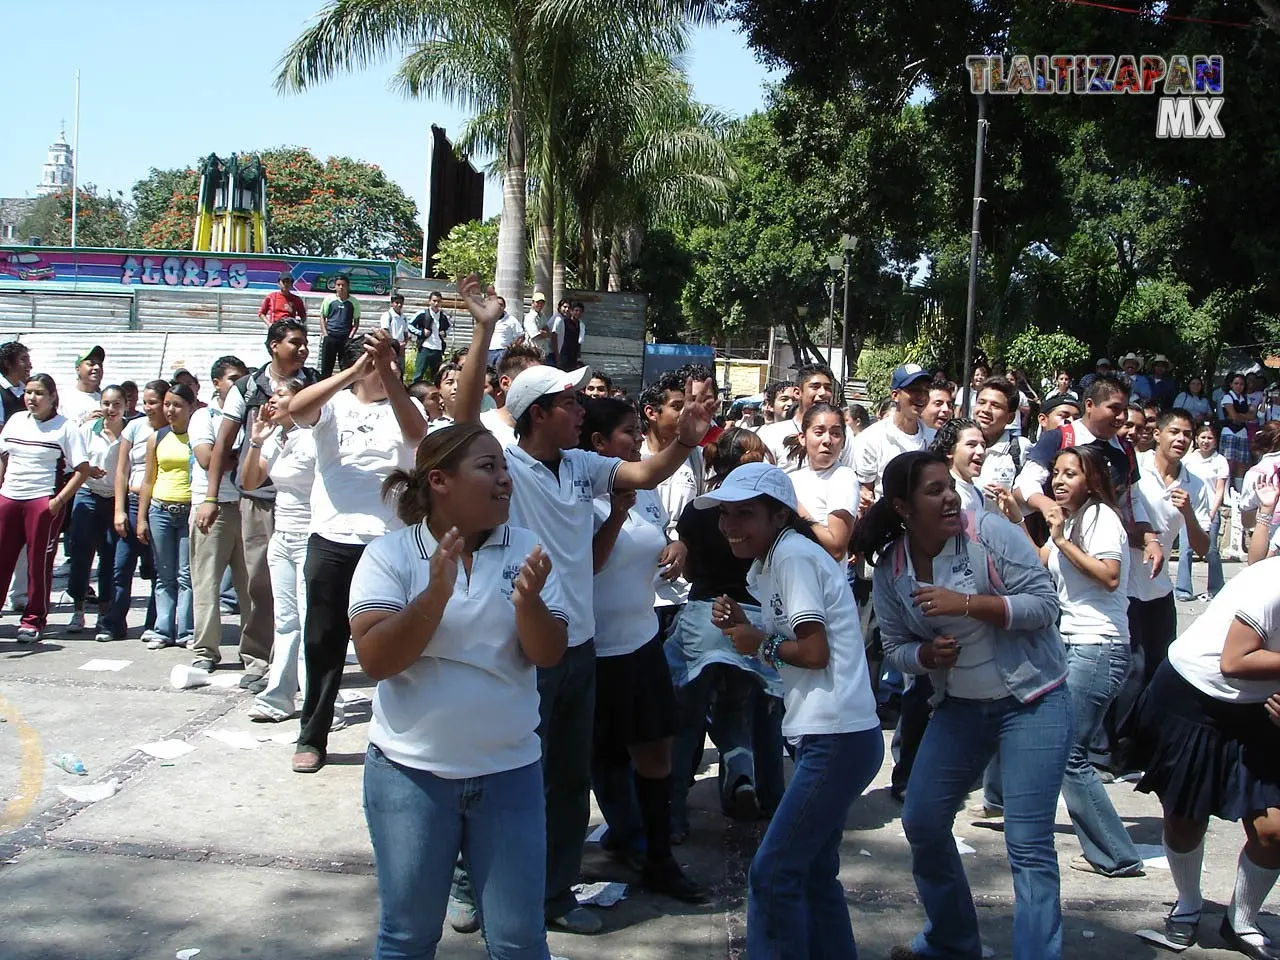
(816, 384)
(554, 485)
(660, 407)
(536, 330)
(395, 322)
(365, 426)
(83, 399)
(219, 543)
(288, 347)
(995, 411)
(1176, 502)
(900, 432)
(507, 331)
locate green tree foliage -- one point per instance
(338, 207)
(1038, 354)
(1083, 205)
(470, 247)
(102, 220)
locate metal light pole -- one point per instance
(75, 165)
(833, 264)
(973, 244)
(850, 244)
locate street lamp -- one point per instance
(797, 349)
(848, 243)
(833, 264)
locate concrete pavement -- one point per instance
(224, 849)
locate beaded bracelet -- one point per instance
(769, 650)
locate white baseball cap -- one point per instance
(749, 481)
(541, 381)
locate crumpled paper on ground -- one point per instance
(602, 894)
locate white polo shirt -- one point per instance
(677, 492)
(396, 325)
(358, 445)
(824, 492)
(496, 423)
(880, 443)
(203, 429)
(559, 510)
(623, 589)
(1166, 521)
(103, 454)
(1250, 597)
(34, 448)
(797, 583)
(1091, 612)
(506, 332)
(137, 431)
(468, 707)
(291, 465)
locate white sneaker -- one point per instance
(77, 622)
(28, 635)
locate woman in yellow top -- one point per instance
(164, 513)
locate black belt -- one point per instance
(169, 507)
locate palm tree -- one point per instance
(484, 55)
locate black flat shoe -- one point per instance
(667, 878)
(1241, 945)
(1179, 932)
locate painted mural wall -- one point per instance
(162, 268)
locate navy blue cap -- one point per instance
(907, 374)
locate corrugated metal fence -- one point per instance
(149, 333)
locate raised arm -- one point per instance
(380, 348)
(692, 426)
(307, 403)
(485, 311)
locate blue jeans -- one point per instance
(795, 902)
(1184, 590)
(91, 533)
(1095, 672)
(419, 823)
(128, 550)
(170, 538)
(1032, 738)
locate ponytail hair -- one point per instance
(731, 449)
(441, 450)
(949, 436)
(794, 521)
(882, 525)
(795, 442)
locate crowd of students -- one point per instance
(560, 591)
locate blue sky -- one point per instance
(151, 94)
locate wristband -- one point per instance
(255, 444)
(687, 446)
(769, 650)
(213, 500)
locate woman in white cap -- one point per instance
(795, 901)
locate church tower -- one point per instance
(56, 174)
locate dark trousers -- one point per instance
(128, 551)
(427, 363)
(912, 722)
(567, 709)
(328, 570)
(1153, 626)
(331, 353)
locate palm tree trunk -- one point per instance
(557, 252)
(543, 264)
(587, 255)
(512, 235)
(616, 256)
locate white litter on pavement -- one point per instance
(987, 952)
(962, 847)
(713, 770)
(224, 681)
(1133, 777)
(106, 664)
(1088, 934)
(234, 738)
(287, 736)
(166, 749)
(595, 835)
(864, 853)
(92, 792)
(602, 894)
(352, 697)
(182, 677)
(1152, 855)
(188, 953)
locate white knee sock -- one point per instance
(1185, 868)
(1253, 883)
